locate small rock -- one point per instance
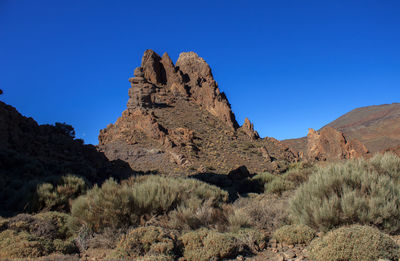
(289, 254)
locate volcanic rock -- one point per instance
(180, 112)
(330, 144)
(248, 128)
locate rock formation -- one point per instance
(248, 128)
(178, 121)
(31, 154)
(330, 144)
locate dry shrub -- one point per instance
(27, 236)
(357, 191)
(206, 244)
(299, 173)
(57, 196)
(354, 243)
(15, 244)
(115, 205)
(149, 240)
(264, 212)
(255, 240)
(191, 218)
(112, 206)
(278, 186)
(294, 234)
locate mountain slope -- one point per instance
(378, 127)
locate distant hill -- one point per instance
(377, 127)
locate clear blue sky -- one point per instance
(286, 65)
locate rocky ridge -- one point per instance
(177, 118)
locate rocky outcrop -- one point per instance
(329, 144)
(203, 88)
(177, 119)
(248, 128)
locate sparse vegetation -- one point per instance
(357, 191)
(354, 243)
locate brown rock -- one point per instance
(203, 88)
(179, 112)
(153, 70)
(248, 128)
(330, 144)
(239, 173)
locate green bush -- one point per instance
(149, 240)
(115, 205)
(57, 196)
(205, 244)
(357, 191)
(354, 243)
(294, 234)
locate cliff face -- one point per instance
(178, 121)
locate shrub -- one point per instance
(61, 221)
(33, 236)
(255, 240)
(205, 244)
(158, 194)
(298, 173)
(358, 191)
(294, 234)
(278, 186)
(354, 243)
(148, 240)
(191, 218)
(114, 205)
(260, 180)
(238, 219)
(15, 244)
(264, 212)
(57, 196)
